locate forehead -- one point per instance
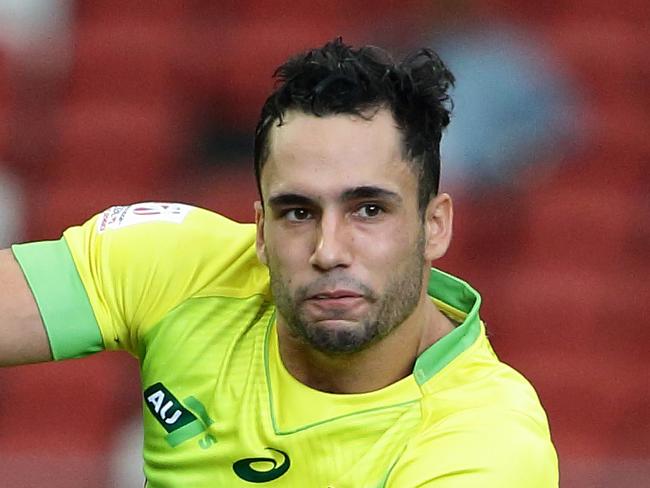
(320, 154)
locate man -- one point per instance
(316, 347)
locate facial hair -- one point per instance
(388, 309)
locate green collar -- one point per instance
(451, 294)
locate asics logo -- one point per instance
(249, 469)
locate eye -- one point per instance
(297, 214)
(369, 211)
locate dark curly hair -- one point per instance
(338, 79)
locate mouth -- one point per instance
(339, 304)
(336, 295)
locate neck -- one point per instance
(385, 362)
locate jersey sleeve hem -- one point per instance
(68, 317)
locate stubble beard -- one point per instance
(386, 311)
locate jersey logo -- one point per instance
(244, 468)
(179, 422)
(116, 217)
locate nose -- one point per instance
(332, 245)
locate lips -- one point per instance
(336, 294)
(339, 304)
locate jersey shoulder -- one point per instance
(482, 426)
(139, 262)
(168, 238)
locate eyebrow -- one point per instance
(370, 192)
(351, 194)
(290, 200)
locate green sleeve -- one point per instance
(68, 317)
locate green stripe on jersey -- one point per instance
(463, 297)
(62, 300)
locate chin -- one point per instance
(338, 336)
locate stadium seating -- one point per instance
(536, 13)
(608, 57)
(72, 411)
(109, 10)
(578, 228)
(5, 105)
(116, 141)
(124, 59)
(58, 203)
(229, 65)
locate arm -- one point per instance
(22, 335)
(110, 280)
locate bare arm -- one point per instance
(22, 334)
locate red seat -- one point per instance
(5, 104)
(536, 13)
(71, 411)
(229, 190)
(116, 142)
(55, 204)
(580, 336)
(52, 468)
(517, 10)
(608, 57)
(488, 228)
(343, 12)
(604, 169)
(544, 308)
(109, 10)
(633, 12)
(230, 65)
(78, 404)
(588, 396)
(637, 244)
(28, 99)
(626, 309)
(125, 60)
(578, 227)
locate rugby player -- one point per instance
(316, 347)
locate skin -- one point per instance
(22, 334)
(349, 251)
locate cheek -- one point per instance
(387, 258)
(288, 244)
(284, 256)
(391, 245)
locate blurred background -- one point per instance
(107, 102)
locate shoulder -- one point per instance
(158, 233)
(483, 447)
(138, 262)
(482, 426)
(149, 220)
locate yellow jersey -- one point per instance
(181, 289)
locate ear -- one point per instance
(439, 216)
(260, 243)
